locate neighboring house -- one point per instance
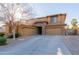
(49, 25)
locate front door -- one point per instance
(39, 30)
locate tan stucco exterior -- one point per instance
(31, 26)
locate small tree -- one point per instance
(74, 25)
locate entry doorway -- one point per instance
(39, 30)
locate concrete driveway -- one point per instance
(37, 45)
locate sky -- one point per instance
(44, 9)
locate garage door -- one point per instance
(51, 31)
(26, 31)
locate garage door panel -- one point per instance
(28, 31)
(53, 31)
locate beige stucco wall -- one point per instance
(39, 20)
(61, 18)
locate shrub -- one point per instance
(3, 40)
(2, 34)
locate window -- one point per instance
(54, 20)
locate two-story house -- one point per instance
(49, 25)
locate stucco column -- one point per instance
(43, 30)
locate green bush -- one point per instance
(3, 40)
(2, 34)
(16, 35)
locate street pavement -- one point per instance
(37, 45)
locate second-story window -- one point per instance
(54, 20)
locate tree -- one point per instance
(74, 25)
(13, 13)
